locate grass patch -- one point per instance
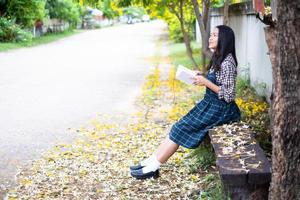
(202, 157)
(38, 41)
(213, 188)
(179, 56)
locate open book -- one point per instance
(185, 75)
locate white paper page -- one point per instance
(185, 75)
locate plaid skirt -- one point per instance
(191, 129)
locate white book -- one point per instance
(185, 75)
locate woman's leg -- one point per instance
(165, 150)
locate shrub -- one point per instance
(254, 108)
(11, 32)
(23, 35)
(255, 112)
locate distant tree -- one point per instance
(106, 6)
(66, 10)
(26, 12)
(182, 9)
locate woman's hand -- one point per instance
(200, 80)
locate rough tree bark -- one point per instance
(203, 22)
(284, 42)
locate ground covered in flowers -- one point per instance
(96, 165)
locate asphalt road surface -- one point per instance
(48, 89)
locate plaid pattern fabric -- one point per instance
(226, 79)
(191, 129)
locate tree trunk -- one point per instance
(186, 38)
(285, 54)
(226, 17)
(206, 6)
(203, 25)
(206, 22)
(189, 50)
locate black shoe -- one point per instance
(136, 167)
(138, 174)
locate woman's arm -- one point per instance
(227, 80)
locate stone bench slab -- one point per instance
(239, 158)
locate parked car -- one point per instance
(123, 19)
(130, 20)
(133, 20)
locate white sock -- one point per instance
(151, 167)
(148, 160)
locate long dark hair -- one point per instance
(225, 46)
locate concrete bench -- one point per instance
(244, 169)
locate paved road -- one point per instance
(47, 89)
